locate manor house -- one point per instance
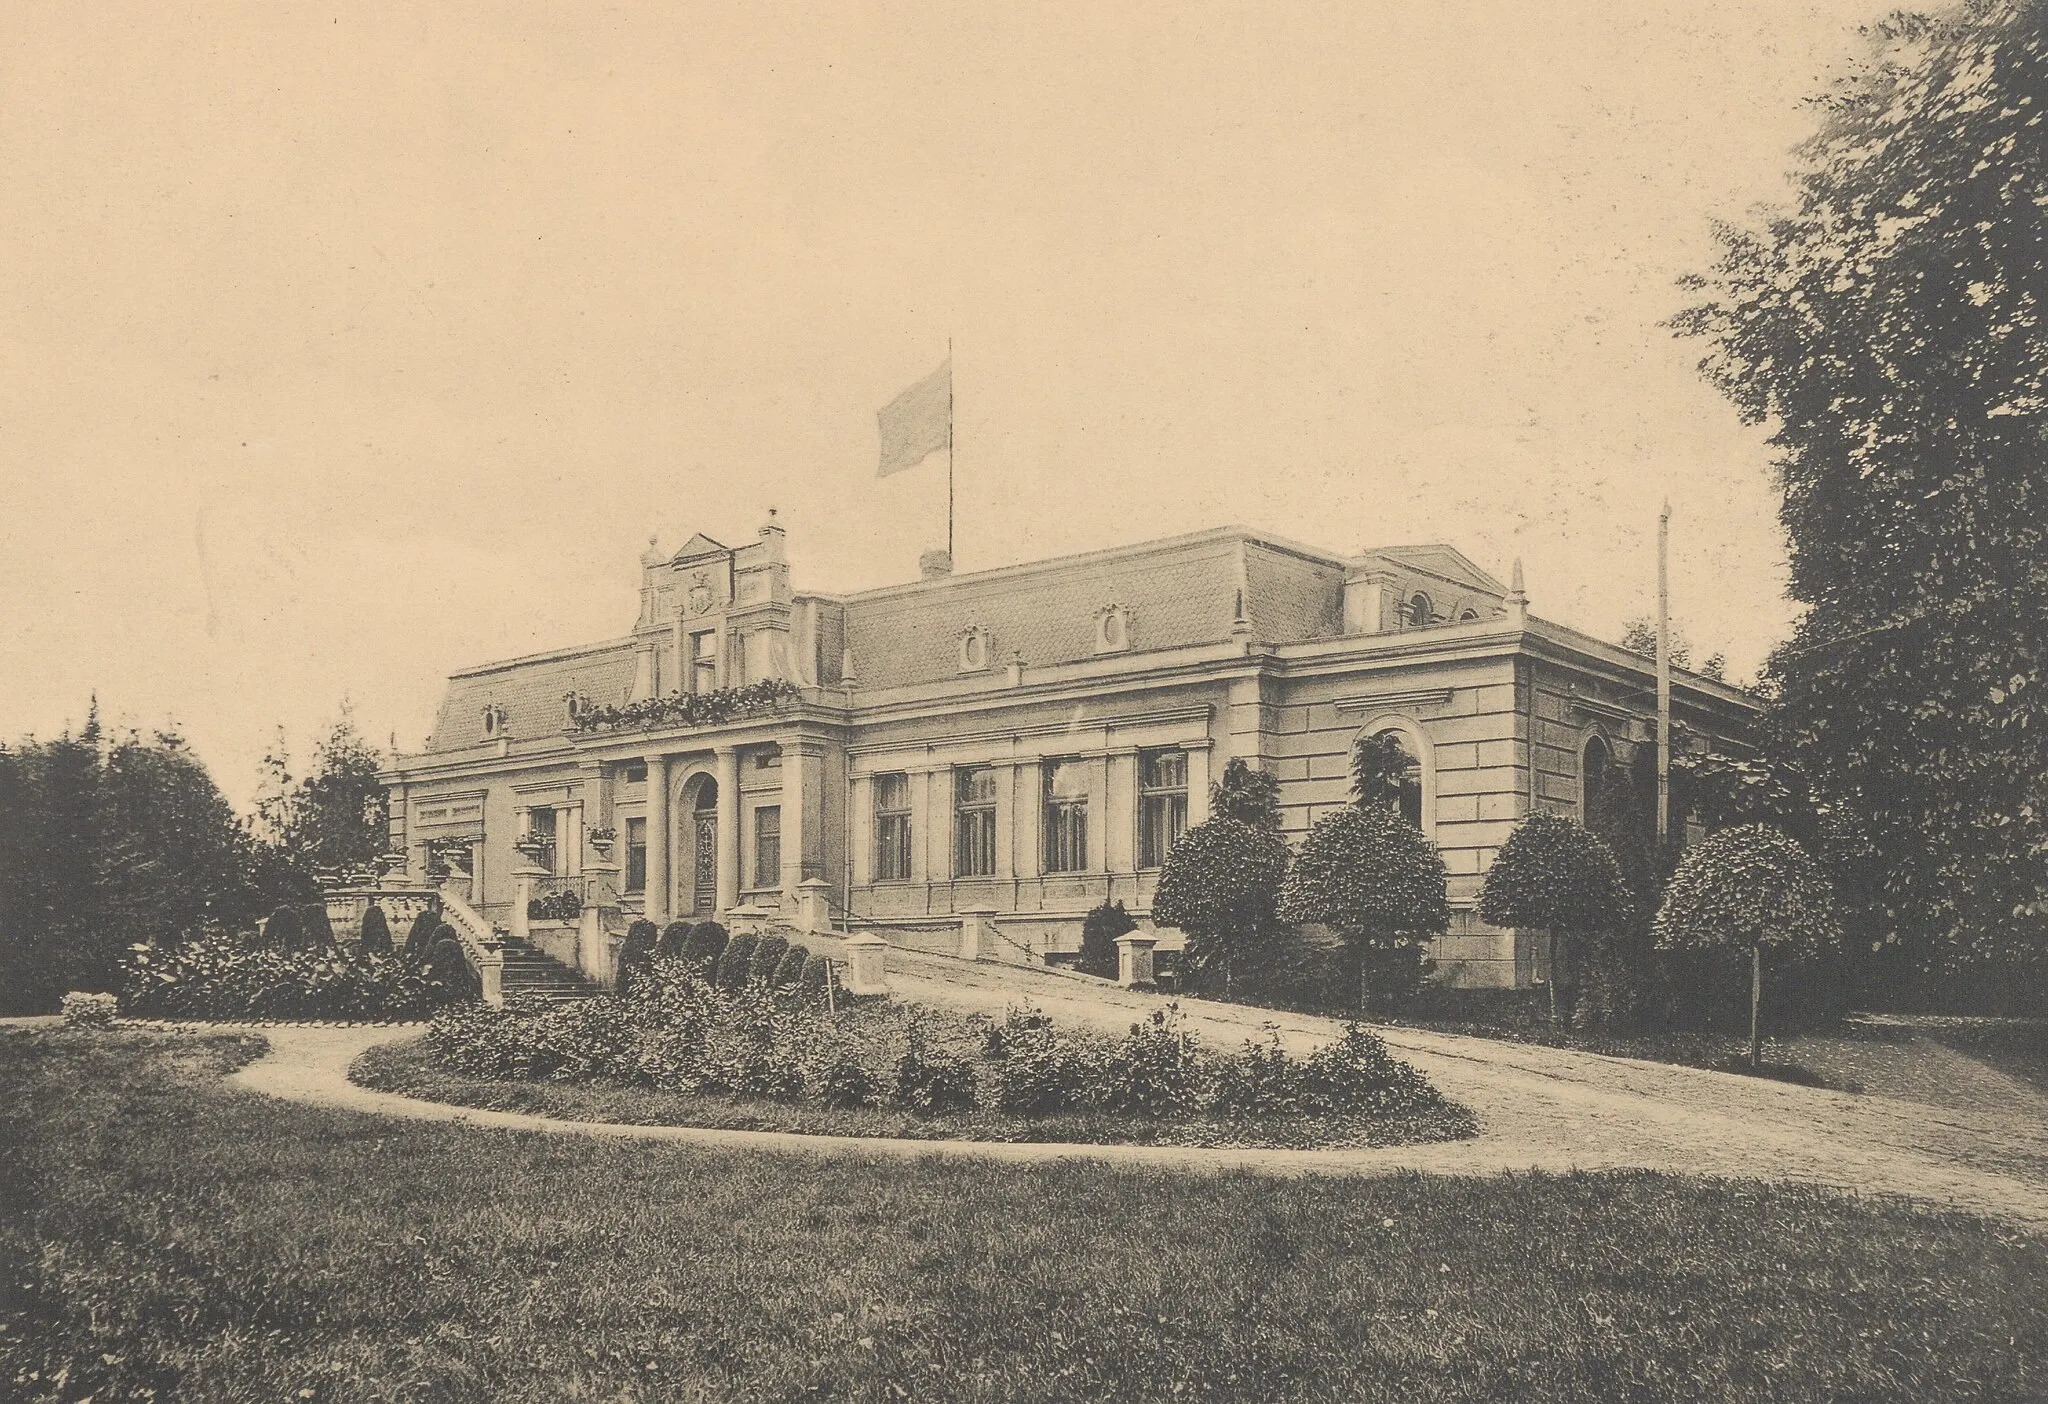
(1018, 744)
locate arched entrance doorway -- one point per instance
(704, 851)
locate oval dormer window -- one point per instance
(974, 650)
(494, 721)
(1113, 630)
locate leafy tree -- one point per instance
(334, 820)
(1221, 886)
(1556, 876)
(1752, 887)
(1888, 327)
(1247, 795)
(1099, 930)
(1378, 764)
(1373, 878)
(1639, 635)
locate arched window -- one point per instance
(1419, 611)
(974, 650)
(1593, 769)
(1468, 616)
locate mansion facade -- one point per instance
(1008, 748)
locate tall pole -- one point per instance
(1664, 674)
(949, 450)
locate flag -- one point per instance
(919, 422)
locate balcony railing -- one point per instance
(725, 704)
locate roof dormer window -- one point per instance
(1112, 629)
(495, 717)
(974, 649)
(1418, 612)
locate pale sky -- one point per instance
(343, 346)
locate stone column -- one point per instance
(658, 886)
(814, 905)
(1006, 819)
(522, 893)
(794, 794)
(861, 824)
(977, 931)
(728, 761)
(867, 964)
(1120, 812)
(1029, 819)
(1198, 781)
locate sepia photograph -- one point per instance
(1073, 702)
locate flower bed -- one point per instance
(221, 975)
(683, 1050)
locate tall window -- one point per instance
(892, 828)
(1162, 804)
(768, 846)
(1593, 782)
(974, 821)
(704, 661)
(540, 823)
(1066, 816)
(636, 855)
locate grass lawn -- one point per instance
(165, 1237)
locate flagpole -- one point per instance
(949, 450)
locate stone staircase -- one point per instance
(529, 974)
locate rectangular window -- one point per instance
(704, 661)
(1162, 804)
(768, 846)
(974, 821)
(634, 773)
(540, 824)
(1066, 816)
(636, 855)
(892, 828)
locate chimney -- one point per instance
(935, 565)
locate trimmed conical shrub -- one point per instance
(767, 956)
(421, 936)
(674, 937)
(733, 965)
(281, 932)
(706, 944)
(314, 928)
(789, 970)
(636, 956)
(376, 932)
(448, 969)
(816, 969)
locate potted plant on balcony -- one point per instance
(602, 840)
(534, 847)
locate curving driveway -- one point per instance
(1540, 1108)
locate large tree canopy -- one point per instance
(1889, 328)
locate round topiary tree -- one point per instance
(1749, 886)
(1372, 877)
(674, 937)
(1554, 875)
(706, 944)
(1221, 886)
(1099, 930)
(376, 935)
(421, 935)
(636, 955)
(281, 930)
(733, 965)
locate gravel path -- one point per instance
(1540, 1108)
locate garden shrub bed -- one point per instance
(683, 1051)
(232, 976)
